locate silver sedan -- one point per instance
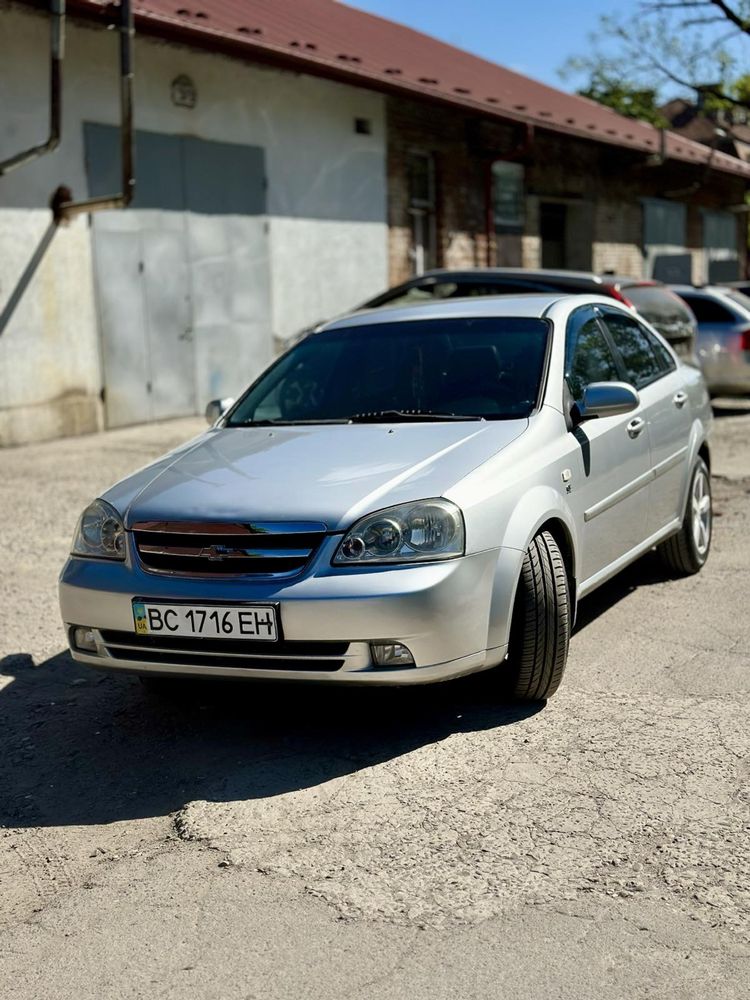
(405, 496)
(723, 341)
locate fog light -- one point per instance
(391, 654)
(84, 639)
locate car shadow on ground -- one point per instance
(731, 407)
(80, 746)
(645, 572)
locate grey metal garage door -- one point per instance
(182, 276)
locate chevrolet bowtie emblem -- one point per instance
(215, 553)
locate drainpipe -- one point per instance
(660, 158)
(520, 153)
(57, 52)
(64, 208)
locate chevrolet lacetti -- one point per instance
(404, 496)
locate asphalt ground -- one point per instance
(246, 841)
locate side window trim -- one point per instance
(578, 318)
(579, 311)
(622, 370)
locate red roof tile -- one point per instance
(329, 38)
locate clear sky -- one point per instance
(533, 37)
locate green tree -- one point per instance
(699, 47)
(623, 97)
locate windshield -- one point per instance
(484, 368)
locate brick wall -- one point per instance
(618, 237)
(601, 187)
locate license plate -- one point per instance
(210, 621)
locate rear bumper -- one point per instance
(725, 371)
(439, 611)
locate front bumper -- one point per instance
(440, 611)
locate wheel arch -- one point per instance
(698, 448)
(561, 533)
(542, 509)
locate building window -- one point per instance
(720, 246)
(421, 180)
(665, 241)
(507, 197)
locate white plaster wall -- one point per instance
(326, 194)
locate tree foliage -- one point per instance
(700, 48)
(624, 97)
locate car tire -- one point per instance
(687, 551)
(540, 627)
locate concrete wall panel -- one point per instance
(326, 199)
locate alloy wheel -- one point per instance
(701, 506)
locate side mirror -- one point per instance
(607, 399)
(217, 408)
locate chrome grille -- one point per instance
(197, 548)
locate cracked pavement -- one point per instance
(243, 841)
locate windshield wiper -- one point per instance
(280, 422)
(402, 416)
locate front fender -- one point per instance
(539, 506)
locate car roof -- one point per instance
(534, 305)
(699, 289)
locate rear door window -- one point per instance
(644, 358)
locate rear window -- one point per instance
(664, 310)
(708, 310)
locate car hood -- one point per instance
(330, 474)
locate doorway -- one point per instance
(552, 229)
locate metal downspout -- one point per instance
(63, 207)
(57, 53)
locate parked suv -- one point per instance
(654, 301)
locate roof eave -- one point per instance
(175, 29)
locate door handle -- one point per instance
(635, 426)
(680, 398)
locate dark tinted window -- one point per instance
(638, 349)
(488, 367)
(709, 310)
(587, 355)
(658, 305)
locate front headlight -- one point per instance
(100, 533)
(412, 532)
